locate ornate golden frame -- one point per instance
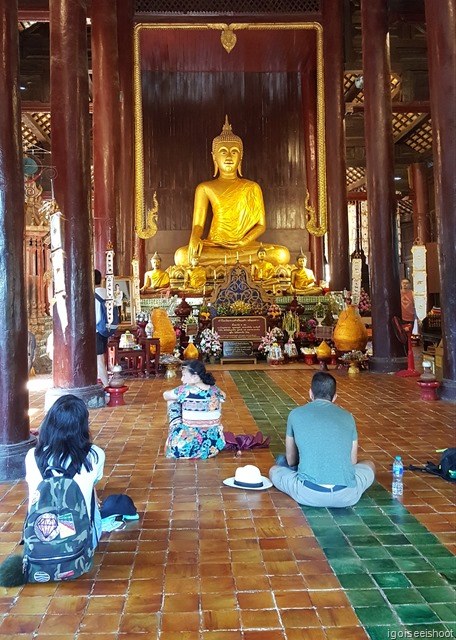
(316, 225)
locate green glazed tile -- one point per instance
(403, 596)
(433, 550)
(422, 538)
(393, 539)
(426, 579)
(446, 612)
(416, 613)
(347, 566)
(338, 553)
(444, 564)
(331, 540)
(413, 527)
(376, 615)
(356, 581)
(380, 566)
(355, 530)
(365, 598)
(363, 541)
(406, 551)
(397, 580)
(438, 594)
(413, 564)
(372, 552)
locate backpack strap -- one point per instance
(70, 472)
(100, 299)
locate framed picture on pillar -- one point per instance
(124, 300)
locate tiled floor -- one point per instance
(207, 562)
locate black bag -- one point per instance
(103, 327)
(446, 468)
(58, 529)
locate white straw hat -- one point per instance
(248, 477)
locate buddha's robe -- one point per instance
(155, 279)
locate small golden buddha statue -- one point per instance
(303, 279)
(238, 216)
(156, 278)
(195, 276)
(262, 269)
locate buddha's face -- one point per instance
(261, 255)
(228, 157)
(302, 261)
(194, 262)
(155, 262)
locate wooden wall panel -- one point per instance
(183, 112)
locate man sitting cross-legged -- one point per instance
(321, 468)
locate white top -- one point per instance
(85, 479)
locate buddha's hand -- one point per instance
(195, 247)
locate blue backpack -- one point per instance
(103, 327)
(58, 533)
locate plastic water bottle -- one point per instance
(398, 472)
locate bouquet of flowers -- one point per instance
(209, 343)
(364, 304)
(270, 340)
(205, 311)
(240, 308)
(354, 356)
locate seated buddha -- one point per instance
(262, 269)
(238, 215)
(156, 278)
(303, 279)
(195, 276)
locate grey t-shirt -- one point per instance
(324, 434)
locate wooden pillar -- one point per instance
(74, 365)
(421, 222)
(125, 226)
(15, 437)
(333, 48)
(309, 93)
(440, 28)
(383, 260)
(140, 253)
(106, 146)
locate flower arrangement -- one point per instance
(236, 308)
(205, 311)
(364, 304)
(274, 311)
(209, 343)
(354, 356)
(270, 340)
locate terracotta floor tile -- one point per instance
(207, 562)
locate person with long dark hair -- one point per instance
(194, 413)
(63, 441)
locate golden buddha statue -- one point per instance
(195, 276)
(156, 278)
(238, 216)
(303, 279)
(262, 269)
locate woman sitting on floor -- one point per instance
(194, 413)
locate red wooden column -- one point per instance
(74, 365)
(333, 48)
(309, 92)
(106, 145)
(441, 27)
(384, 263)
(125, 226)
(15, 437)
(421, 223)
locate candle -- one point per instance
(225, 258)
(215, 274)
(204, 290)
(250, 258)
(237, 256)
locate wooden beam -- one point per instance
(418, 106)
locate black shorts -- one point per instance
(102, 344)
